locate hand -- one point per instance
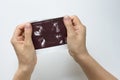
(76, 36)
(24, 48)
(76, 40)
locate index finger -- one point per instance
(76, 20)
(18, 31)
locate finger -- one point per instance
(77, 23)
(76, 20)
(68, 24)
(18, 31)
(28, 32)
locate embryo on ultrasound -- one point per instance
(48, 33)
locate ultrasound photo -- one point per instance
(48, 33)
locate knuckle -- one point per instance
(74, 16)
(19, 25)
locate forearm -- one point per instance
(92, 69)
(23, 73)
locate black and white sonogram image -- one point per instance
(48, 33)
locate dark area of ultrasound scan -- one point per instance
(48, 33)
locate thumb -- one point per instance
(28, 32)
(68, 24)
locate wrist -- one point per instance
(81, 57)
(26, 69)
(26, 66)
(23, 73)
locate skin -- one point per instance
(25, 51)
(76, 41)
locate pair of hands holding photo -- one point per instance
(76, 42)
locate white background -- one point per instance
(101, 17)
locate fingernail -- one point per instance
(67, 18)
(27, 26)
